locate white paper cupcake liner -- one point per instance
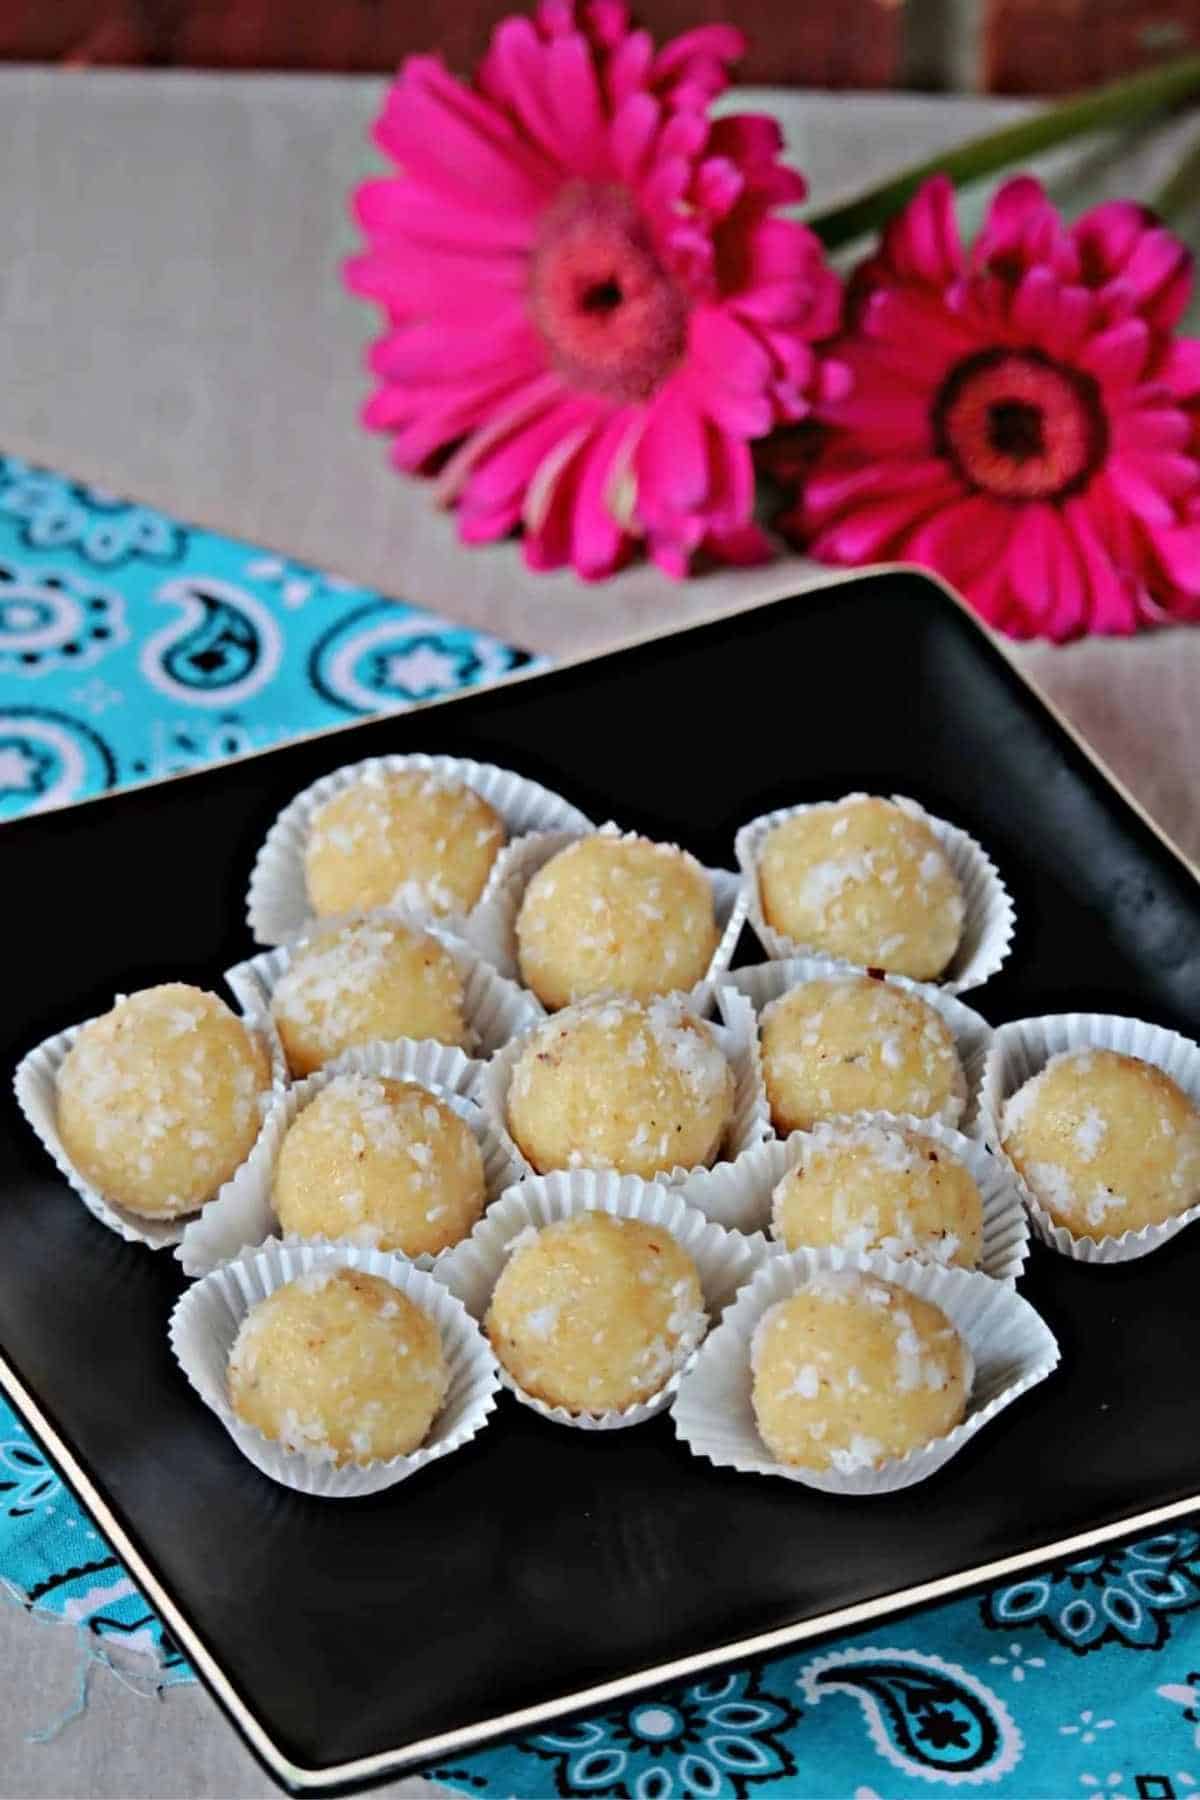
(738, 1195)
(724, 1261)
(492, 925)
(278, 907)
(765, 982)
(1019, 1051)
(736, 1035)
(987, 926)
(36, 1087)
(1011, 1348)
(206, 1320)
(243, 1213)
(443, 1067)
(496, 1009)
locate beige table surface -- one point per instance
(172, 325)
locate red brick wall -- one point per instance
(1029, 46)
(1048, 46)
(821, 43)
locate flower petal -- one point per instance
(1152, 428)
(748, 139)
(922, 242)
(629, 68)
(500, 460)
(878, 529)
(1118, 355)
(1110, 602)
(703, 45)
(730, 352)
(731, 483)
(1132, 483)
(431, 353)
(457, 142)
(598, 539)
(632, 135)
(516, 73)
(1021, 228)
(671, 462)
(575, 97)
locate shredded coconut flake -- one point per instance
(1091, 1133)
(861, 1453)
(314, 1281)
(806, 1383)
(1100, 1204)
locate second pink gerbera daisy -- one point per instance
(593, 308)
(1021, 417)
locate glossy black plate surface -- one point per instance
(540, 1564)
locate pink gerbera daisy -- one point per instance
(1021, 417)
(592, 305)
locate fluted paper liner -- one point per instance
(36, 1087)
(1021, 1050)
(724, 1261)
(496, 1009)
(443, 1067)
(206, 1321)
(736, 1036)
(243, 1213)
(1010, 1346)
(765, 982)
(738, 1195)
(987, 924)
(492, 925)
(278, 907)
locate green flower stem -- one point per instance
(1121, 103)
(1180, 193)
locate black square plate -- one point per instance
(544, 1570)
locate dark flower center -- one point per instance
(1020, 426)
(612, 318)
(1015, 429)
(603, 296)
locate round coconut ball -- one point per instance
(595, 1313)
(847, 1044)
(1106, 1142)
(864, 880)
(862, 1187)
(380, 1162)
(401, 837)
(615, 914)
(341, 1365)
(159, 1100)
(366, 979)
(852, 1371)
(621, 1084)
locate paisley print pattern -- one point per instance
(224, 647)
(54, 1562)
(27, 1481)
(51, 512)
(719, 1739)
(133, 647)
(375, 659)
(51, 620)
(1132, 1597)
(48, 759)
(929, 1718)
